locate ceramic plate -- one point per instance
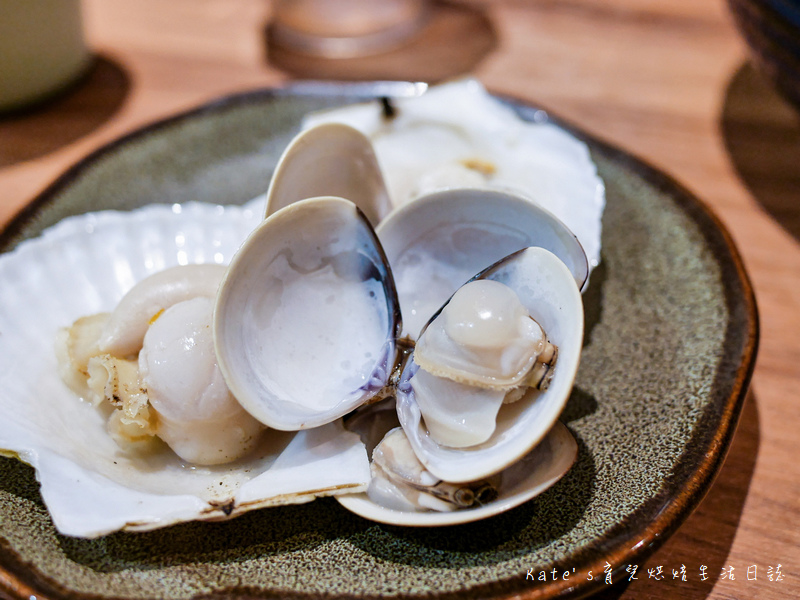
(671, 336)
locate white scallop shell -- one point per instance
(458, 135)
(84, 265)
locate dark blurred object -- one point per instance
(762, 136)
(346, 28)
(453, 40)
(772, 30)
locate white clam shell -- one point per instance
(438, 242)
(84, 265)
(531, 475)
(546, 288)
(307, 316)
(331, 159)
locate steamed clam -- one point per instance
(482, 350)
(307, 316)
(532, 474)
(307, 328)
(450, 399)
(498, 432)
(439, 241)
(472, 364)
(401, 482)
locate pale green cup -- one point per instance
(42, 49)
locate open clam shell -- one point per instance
(331, 159)
(547, 289)
(307, 316)
(531, 475)
(438, 242)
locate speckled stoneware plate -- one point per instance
(671, 337)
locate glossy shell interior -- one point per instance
(307, 316)
(438, 242)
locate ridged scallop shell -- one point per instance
(82, 265)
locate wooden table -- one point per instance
(666, 80)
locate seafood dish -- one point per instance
(397, 322)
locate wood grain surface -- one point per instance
(667, 80)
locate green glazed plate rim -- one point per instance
(626, 543)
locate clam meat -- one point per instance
(497, 370)
(485, 337)
(481, 351)
(400, 481)
(151, 364)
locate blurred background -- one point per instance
(650, 77)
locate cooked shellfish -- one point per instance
(485, 338)
(548, 292)
(290, 250)
(438, 242)
(401, 482)
(95, 488)
(307, 317)
(141, 490)
(174, 389)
